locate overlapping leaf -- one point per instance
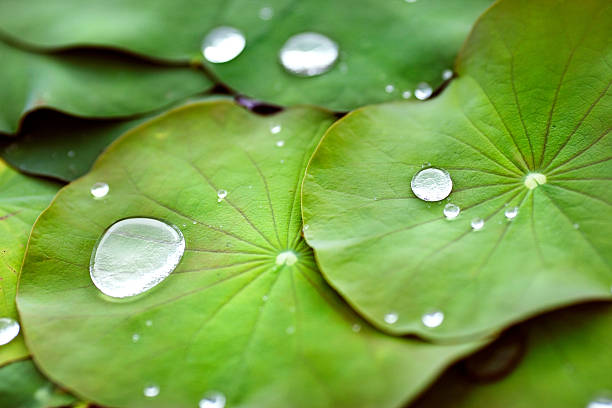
(394, 42)
(235, 317)
(532, 96)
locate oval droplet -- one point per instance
(99, 190)
(532, 180)
(221, 194)
(356, 328)
(600, 403)
(275, 129)
(9, 329)
(135, 337)
(223, 44)
(432, 319)
(447, 74)
(151, 391)
(280, 143)
(451, 211)
(308, 54)
(286, 258)
(406, 94)
(212, 400)
(423, 91)
(391, 318)
(511, 213)
(266, 13)
(389, 88)
(134, 255)
(431, 184)
(477, 224)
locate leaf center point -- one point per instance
(532, 180)
(286, 258)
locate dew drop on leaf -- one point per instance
(135, 255)
(431, 184)
(135, 337)
(477, 224)
(9, 329)
(221, 194)
(212, 400)
(406, 94)
(275, 129)
(451, 211)
(432, 319)
(266, 13)
(447, 74)
(286, 258)
(391, 318)
(356, 328)
(600, 403)
(423, 91)
(99, 190)
(389, 88)
(280, 143)
(308, 54)
(223, 44)
(151, 391)
(511, 213)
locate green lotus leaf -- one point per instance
(395, 42)
(246, 313)
(22, 386)
(22, 199)
(566, 364)
(531, 105)
(98, 84)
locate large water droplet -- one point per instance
(99, 190)
(134, 255)
(600, 403)
(423, 91)
(286, 258)
(308, 54)
(9, 329)
(451, 211)
(511, 212)
(391, 318)
(223, 44)
(221, 194)
(151, 391)
(532, 180)
(212, 400)
(477, 224)
(431, 184)
(433, 318)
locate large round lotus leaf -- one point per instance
(22, 386)
(381, 43)
(532, 97)
(567, 364)
(22, 199)
(87, 83)
(246, 313)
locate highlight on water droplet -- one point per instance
(389, 88)
(511, 213)
(151, 391)
(275, 129)
(308, 54)
(223, 44)
(135, 337)
(406, 94)
(532, 180)
(99, 190)
(71, 153)
(432, 319)
(447, 74)
(451, 211)
(266, 13)
(212, 399)
(221, 194)
(391, 318)
(9, 329)
(477, 224)
(134, 255)
(423, 91)
(600, 403)
(286, 258)
(356, 328)
(431, 184)
(280, 143)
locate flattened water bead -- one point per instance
(532, 180)
(391, 318)
(99, 190)
(433, 318)
(447, 74)
(431, 184)
(223, 44)
(600, 403)
(389, 88)
(423, 91)
(451, 211)
(308, 54)
(151, 391)
(275, 129)
(212, 400)
(406, 94)
(9, 329)
(477, 224)
(511, 212)
(221, 194)
(135, 255)
(286, 258)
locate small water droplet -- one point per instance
(406, 94)
(391, 318)
(9, 329)
(433, 318)
(356, 328)
(99, 190)
(532, 180)
(600, 403)
(71, 153)
(308, 54)
(511, 213)
(212, 400)
(221, 194)
(290, 330)
(135, 337)
(280, 143)
(149, 323)
(447, 74)
(305, 227)
(266, 13)
(223, 44)
(389, 88)
(286, 258)
(264, 298)
(134, 255)
(151, 391)
(410, 1)
(275, 129)
(451, 211)
(576, 226)
(431, 184)
(423, 91)
(194, 222)
(282, 161)
(477, 224)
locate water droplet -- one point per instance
(134, 255)
(389, 88)
(290, 330)
(71, 153)
(266, 13)
(149, 323)
(212, 400)
(356, 328)
(308, 54)
(511, 212)
(576, 226)
(305, 227)
(264, 298)
(600, 403)
(447, 74)
(135, 337)
(391, 318)
(286, 258)
(532, 180)
(223, 44)
(433, 318)
(431, 184)
(99, 190)
(423, 91)
(9, 329)
(406, 94)
(221, 194)
(275, 129)
(151, 391)
(451, 211)
(477, 224)
(280, 143)
(410, 1)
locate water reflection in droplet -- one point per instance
(308, 54)
(223, 44)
